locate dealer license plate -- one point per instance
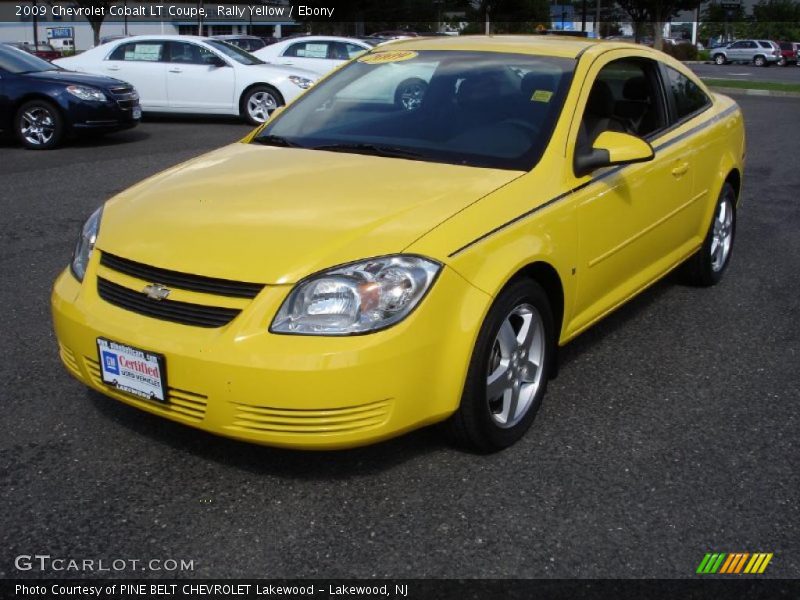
(128, 369)
(137, 112)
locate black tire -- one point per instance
(719, 59)
(759, 61)
(410, 93)
(782, 62)
(701, 269)
(252, 94)
(474, 425)
(39, 125)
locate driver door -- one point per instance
(626, 225)
(194, 84)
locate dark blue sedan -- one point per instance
(43, 103)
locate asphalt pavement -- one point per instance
(743, 72)
(671, 431)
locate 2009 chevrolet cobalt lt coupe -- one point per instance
(408, 242)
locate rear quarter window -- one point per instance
(687, 95)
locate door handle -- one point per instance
(176, 70)
(680, 170)
(287, 62)
(113, 68)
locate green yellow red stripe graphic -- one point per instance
(734, 563)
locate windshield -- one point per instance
(234, 52)
(14, 60)
(482, 109)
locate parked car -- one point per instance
(112, 38)
(356, 270)
(187, 74)
(788, 53)
(761, 53)
(319, 54)
(250, 43)
(43, 51)
(43, 104)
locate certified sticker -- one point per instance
(377, 58)
(542, 96)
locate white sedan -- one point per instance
(187, 74)
(320, 54)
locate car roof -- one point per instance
(320, 38)
(540, 45)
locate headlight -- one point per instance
(301, 81)
(85, 245)
(86, 93)
(357, 298)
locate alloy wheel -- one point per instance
(37, 126)
(260, 106)
(514, 372)
(722, 235)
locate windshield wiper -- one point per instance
(373, 149)
(277, 140)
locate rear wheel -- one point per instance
(508, 372)
(759, 61)
(708, 265)
(39, 125)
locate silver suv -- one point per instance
(761, 53)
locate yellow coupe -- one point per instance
(409, 242)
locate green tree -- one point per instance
(725, 23)
(777, 20)
(95, 20)
(656, 13)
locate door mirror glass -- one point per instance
(613, 148)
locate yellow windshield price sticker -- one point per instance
(377, 58)
(542, 96)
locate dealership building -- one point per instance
(55, 21)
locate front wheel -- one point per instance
(39, 125)
(708, 265)
(508, 372)
(719, 59)
(258, 103)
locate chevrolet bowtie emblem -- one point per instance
(156, 291)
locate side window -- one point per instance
(145, 51)
(689, 98)
(353, 50)
(737, 45)
(191, 54)
(750, 45)
(308, 50)
(625, 98)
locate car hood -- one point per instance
(265, 214)
(72, 77)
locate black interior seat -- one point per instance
(599, 116)
(636, 108)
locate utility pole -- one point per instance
(597, 20)
(583, 15)
(200, 17)
(35, 24)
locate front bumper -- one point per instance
(308, 392)
(102, 116)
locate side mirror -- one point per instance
(613, 148)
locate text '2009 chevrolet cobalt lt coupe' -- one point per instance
(369, 262)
